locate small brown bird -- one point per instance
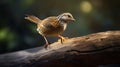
(52, 26)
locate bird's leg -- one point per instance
(46, 41)
(62, 39)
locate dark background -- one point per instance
(91, 16)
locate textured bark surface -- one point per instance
(87, 51)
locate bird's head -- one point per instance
(65, 17)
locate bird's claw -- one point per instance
(47, 46)
(62, 39)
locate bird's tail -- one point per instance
(33, 19)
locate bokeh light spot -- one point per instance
(85, 6)
(3, 33)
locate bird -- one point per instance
(52, 25)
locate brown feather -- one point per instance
(33, 19)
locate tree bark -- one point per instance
(87, 51)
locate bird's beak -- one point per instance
(73, 19)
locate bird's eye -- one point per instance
(69, 16)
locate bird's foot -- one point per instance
(46, 46)
(62, 39)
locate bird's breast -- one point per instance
(49, 30)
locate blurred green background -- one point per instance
(91, 16)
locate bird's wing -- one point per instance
(33, 19)
(51, 21)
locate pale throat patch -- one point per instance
(64, 25)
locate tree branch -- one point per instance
(91, 50)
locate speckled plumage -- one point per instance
(51, 27)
